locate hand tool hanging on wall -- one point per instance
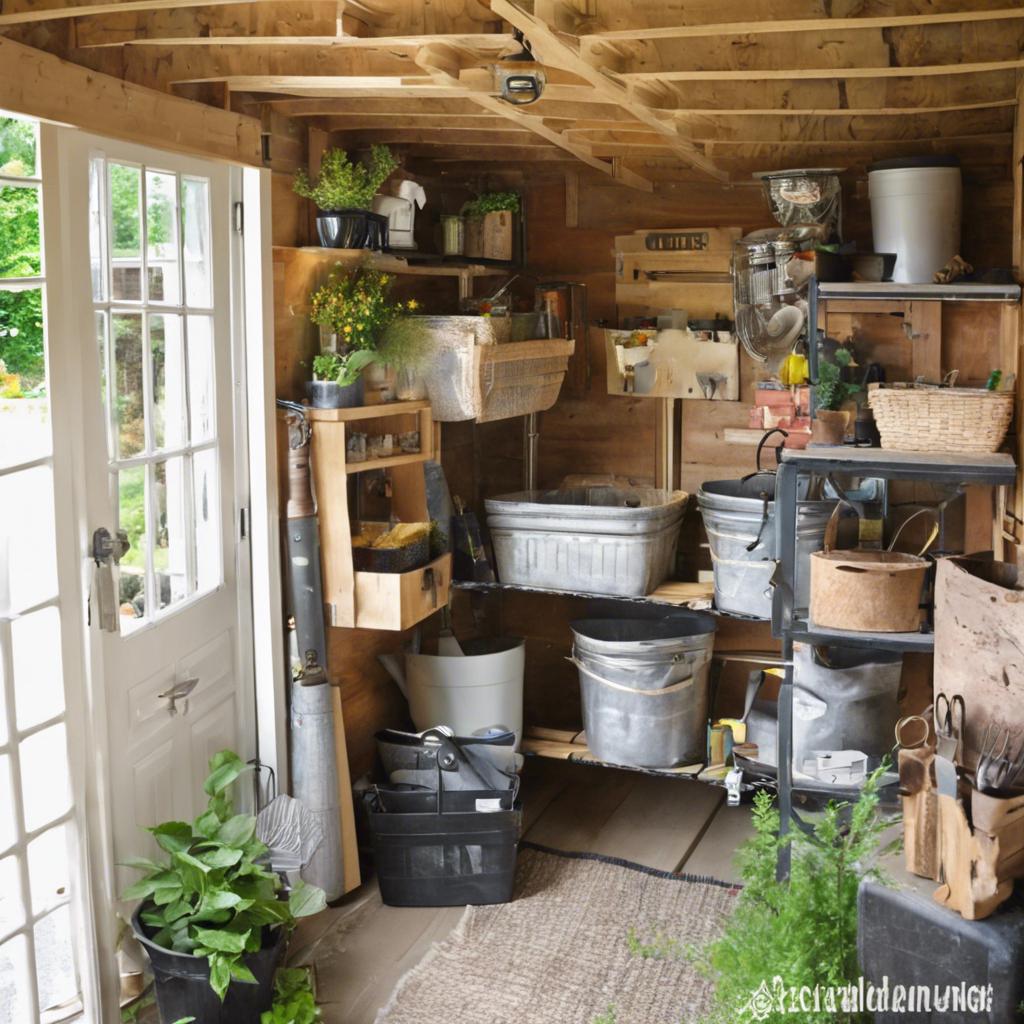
(314, 768)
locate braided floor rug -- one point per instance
(569, 949)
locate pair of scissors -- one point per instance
(950, 713)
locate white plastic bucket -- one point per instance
(915, 213)
(479, 691)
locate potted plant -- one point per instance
(406, 347)
(214, 918)
(490, 221)
(343, 193)
(831, 392)
(353, 310)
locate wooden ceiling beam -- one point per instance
(785, 26)
(511, 136)
(797, 74)
(489, 43)
(41, 85)
(551, 48)
(443, 65)
(21, 12)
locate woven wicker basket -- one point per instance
(920, 419)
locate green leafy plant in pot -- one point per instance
(831, 393)
(355, 309)
(487, 236)
(343, 193)
(214, 918)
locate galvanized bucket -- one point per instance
(644, 686)
(739, 519)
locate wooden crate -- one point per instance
(492, 236)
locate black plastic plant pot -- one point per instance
(352, 229)
(329, 394)
(182, 982)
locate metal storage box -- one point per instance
(590, 540)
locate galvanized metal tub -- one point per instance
(644, 686)
(742, 541)
(590, 540)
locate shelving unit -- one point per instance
(372, 600)
(694, 596)
(960, 469)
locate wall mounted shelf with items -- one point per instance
(374, 600)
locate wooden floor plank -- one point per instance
(714, 854)
(652, 821)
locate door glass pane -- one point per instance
(44, 776)
(131, 496)
(38, 685)
(12, 913)
(8, 828)
(162, 237)
(170, 555)
(55, 959)
(14, 981)
(167, 353)
(126, 232)
(195, 201)
(48, 868)
(97, 235)
(28, 560)
(19, 232)
(201, 380)
(17, 147)
(206, 495)
(128, 387)
(24, 407)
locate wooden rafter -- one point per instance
(19, 13)
(442, 64)
(785, 26)
(797, 74)
(480, 42)
(552, 49)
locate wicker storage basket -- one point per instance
(920, 419)
(874, 591)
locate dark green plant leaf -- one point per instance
(305, 900)
(220, 857)
(219, 940)
(242, 973)
(237, 831)
(173, 836)
(207, 824)
(168, 894)
(143, 864)
(225, 767)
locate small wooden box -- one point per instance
(492, 236)
(396, 601)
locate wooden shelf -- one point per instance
(391, 263)
(694, 596)
(894, 291)
(564, 745)
(408, 459)
(367, 412)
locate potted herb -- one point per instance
(353, 309)
(831, 393)
(490, 225)
(343, 193)
(406, 348)
(214, 918)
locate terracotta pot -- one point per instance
(829, 426)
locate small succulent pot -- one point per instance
(352, 229)
(329, 394)
(829, 426)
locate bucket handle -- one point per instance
(695, 658)
(832, 529)
(674, 688)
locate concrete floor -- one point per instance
(362, 948)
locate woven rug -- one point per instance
(569, 949)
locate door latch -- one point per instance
(179, 691)
(107, 551)
(107, 548)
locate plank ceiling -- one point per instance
(639, 90)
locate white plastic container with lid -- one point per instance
(915, 213)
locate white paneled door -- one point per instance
(150, 307)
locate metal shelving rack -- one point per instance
(791, 624)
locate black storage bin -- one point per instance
(447, 856)
(908, 938)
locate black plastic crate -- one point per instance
(443, 858)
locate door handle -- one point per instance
(178, 691)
